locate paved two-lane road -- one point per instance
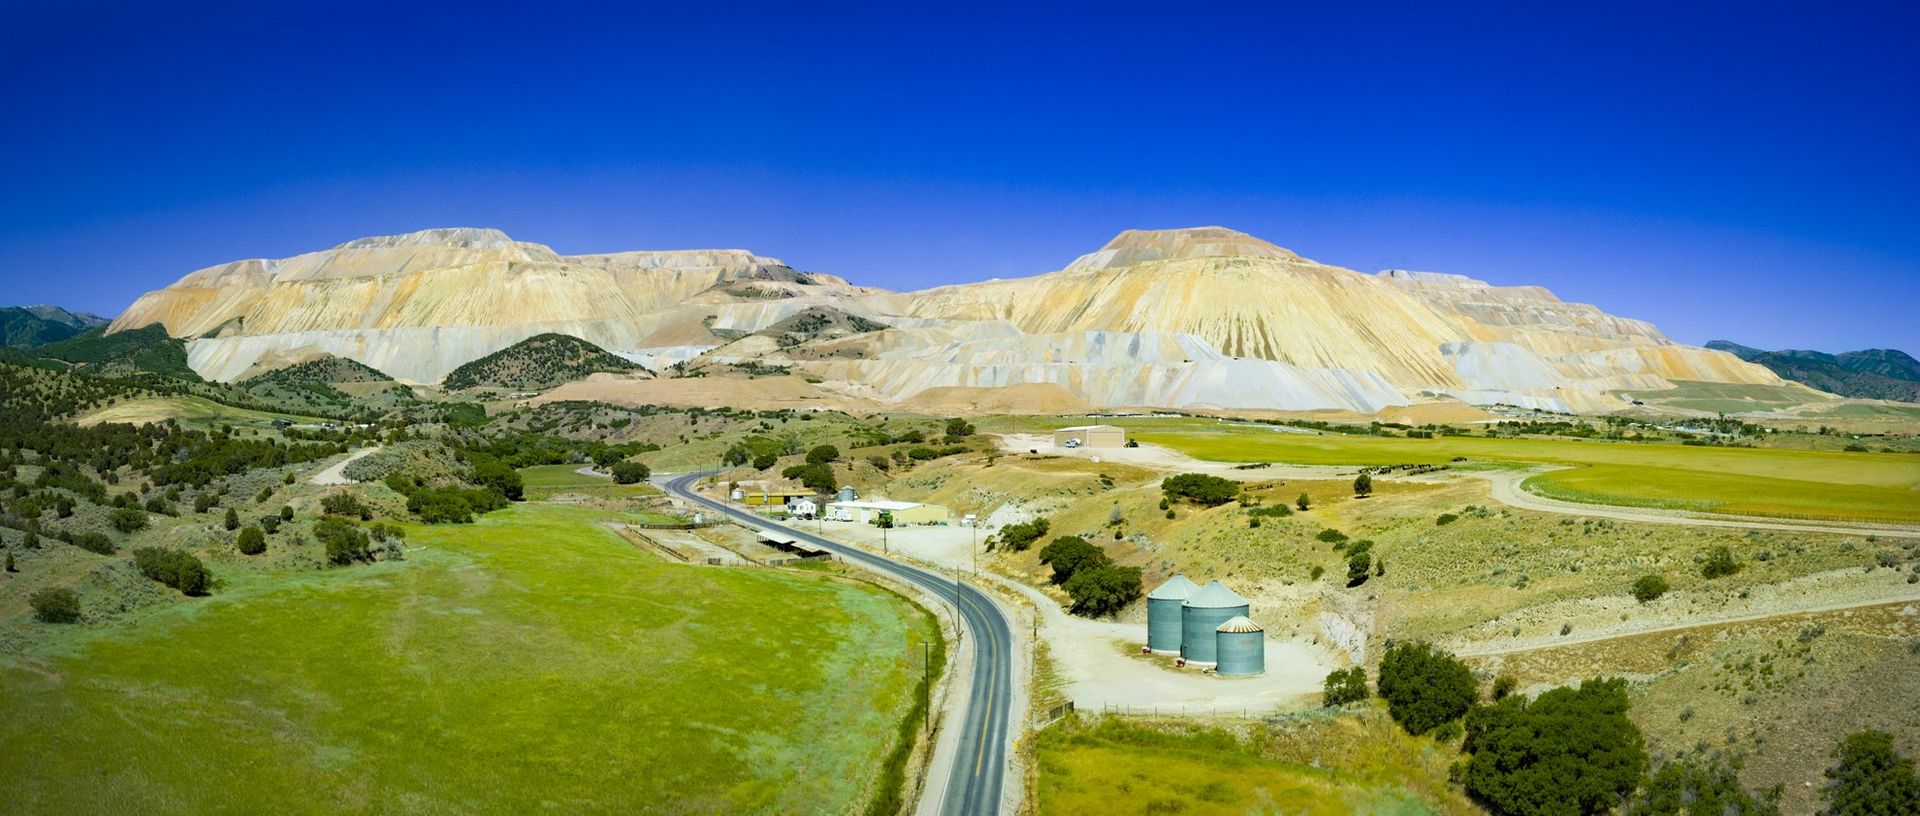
(979, 768)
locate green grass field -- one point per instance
(1113, 765)
(530, 662)
(192, 411)
(543, 481)
(1751, 481)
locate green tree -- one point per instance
(1869, 778)
(1719, 563)
(630, 472)
(1363, 486)
(1425, 686)
(1359, 566)
(1345, 686)
(1070, 554)
(55, 605)
(1303, 503)
(10, 566)
(957, 427)
(232, 521)
(822, 454)
(286, 512)
(1568, 752)
(252, 541)
(1649, 588)
(765, 460)
(817, 476)
(1103, 590)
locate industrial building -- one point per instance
(769, 498)
(1090, 436)
(1240, 648)
(1163, 613)
(904, 513)
(1200, 618)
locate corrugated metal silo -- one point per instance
(1241, 648)
(1163, 613)
(1202, 613)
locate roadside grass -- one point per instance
(1760, 481)
(530, 661)
(1323, 763)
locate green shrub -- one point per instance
(232, 521)
(1649, 587)
(1569, 751)
(1719, 563)
(1445, 519)
(1345, 686)
(822, 454)
(345, 542)
(1503, 686)
(55, 605)
(1331, 536)
(128, 520)
(1018, 537)
(1303, 503)
(252, 541)
(1200, 488)
(175, 568)
(94, 543)
(1425, 686)
(630, 472)
(1700, 785)
(764, 461)
(1869, 777)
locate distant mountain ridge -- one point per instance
(32, 326)
(1888, 374)
(1204, 317)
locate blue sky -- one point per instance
(1740, 170)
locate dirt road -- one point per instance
(336, 473)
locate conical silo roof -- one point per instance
(1177, 588)
(1239, 623)
(1215, 595)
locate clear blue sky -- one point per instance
(1745, 170)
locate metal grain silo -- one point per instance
(1202, 613)
(1163, 613)
(1241, 648)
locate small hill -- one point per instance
(146, 350)
(819, 323)
(30, 326)
(325, 369)
(540, 361)
(1870, 374)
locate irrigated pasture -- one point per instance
(530, 662)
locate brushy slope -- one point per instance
(541, 361)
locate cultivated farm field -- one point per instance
(531, 661)
(1878, 487)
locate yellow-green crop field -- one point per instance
(530, 662)
(1881, 487)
